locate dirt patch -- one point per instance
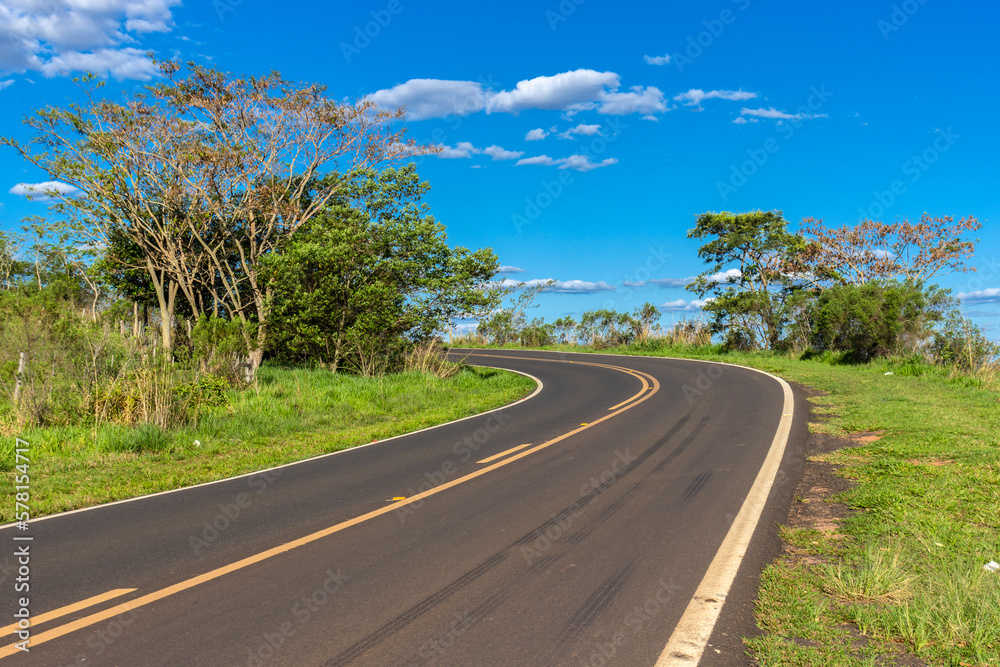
(813, 508)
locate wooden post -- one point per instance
(22, 366)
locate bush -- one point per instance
(961, 343)
(875, 319)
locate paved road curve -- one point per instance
(572, 528)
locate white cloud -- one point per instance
(732, 275)
(990, 295)
(636, 283)
(682, 306)
(462, 149)
(695, 96)
(751, 115)
(63, 36)
(569, 91)
(651, 117)
(6, 84)
(40, 191)
(585, 130)
(538, 159)
(672, 282)
(565, 286)
(433, 98)
(498, 153)
(572, 91)
(577, 162)
(657, 60)
(510, 269)
(721, 277)
(120, 63)
(536, 134)
(584, 163)
(640, 100)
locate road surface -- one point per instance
(571, 528)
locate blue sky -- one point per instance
(582, 138)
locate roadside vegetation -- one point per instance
(234, 273)
(887, 558)
(240, 272)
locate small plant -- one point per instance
(145, 438)
(428, 357)
(877, 577)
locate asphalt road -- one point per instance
(583, 545)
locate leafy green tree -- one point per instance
(207, 174)
(608, 327)
(646, 318)
(504, 325)
(371, 274)
(564, 329)
(876, 319)
(750, 278)
(537, 333)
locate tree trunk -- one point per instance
(166, 291)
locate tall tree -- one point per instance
(372, 274)
(902, 250)
(750, 276)
(207, 174)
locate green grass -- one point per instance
(909, 575)
(291, 415)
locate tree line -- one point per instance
(861, 291)
(212, 221)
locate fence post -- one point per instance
(22, 365)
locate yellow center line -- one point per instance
(503, 454)
(68, 609)
(640, 376)
(181, 586)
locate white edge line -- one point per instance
(538, 389)
(694, 630)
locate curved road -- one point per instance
(572, 528)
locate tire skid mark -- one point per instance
(597, 602)
(406, 617)
(695, 487)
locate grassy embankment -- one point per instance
(902, 576)
(291, 415)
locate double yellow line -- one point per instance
(649, 387)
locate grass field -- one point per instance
(291, 415)
(901, 580)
